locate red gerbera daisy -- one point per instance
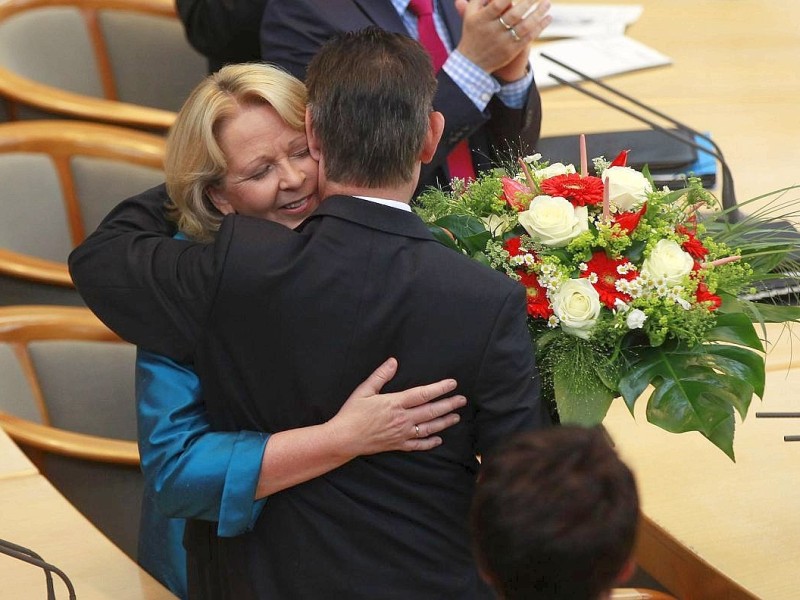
(512, 246)
(537, 301)
(580, 191)
(607, 276)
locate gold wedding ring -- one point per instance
(514, 35)
(504, 24)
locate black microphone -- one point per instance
(31, 557)
(728, 194)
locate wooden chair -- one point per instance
(125, 62)
(67, 399)
(60, 178)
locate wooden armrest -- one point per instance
(69, 443)
(51, 99)
(36, 269)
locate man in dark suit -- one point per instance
(282, 324)
(486, 90)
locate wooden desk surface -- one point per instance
(734, 74)
(13, 462)
(713, 528)
(34, 515)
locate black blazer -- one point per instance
(283, 325)
(292, 32)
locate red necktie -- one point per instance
(460, 158)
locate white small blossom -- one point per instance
(593, 278)
(636, 319)
(625, 268)
(683, 303)
(583, 267)
(620, 306)
(553, 322)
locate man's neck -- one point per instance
(399, 193)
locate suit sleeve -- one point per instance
(195, 472)
(508, 391)
(152, 290)
(226, 30)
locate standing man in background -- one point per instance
(224, 31)
(480, 52)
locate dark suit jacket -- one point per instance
(283, 326)
(292, 32)
(224, 31)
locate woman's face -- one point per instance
(271, 174)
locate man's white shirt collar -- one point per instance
(393, 203)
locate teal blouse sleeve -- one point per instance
(195, 472)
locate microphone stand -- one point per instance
(30, 557)
(728, 194)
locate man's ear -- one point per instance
(432, 137)
(313, 142)
(219, 201)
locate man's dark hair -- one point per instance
(370, 95)
(554, 515)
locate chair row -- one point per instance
(60, 178)
(124, 62)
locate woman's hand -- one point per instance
(371, 422)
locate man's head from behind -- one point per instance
(370, 103)
(554, 516)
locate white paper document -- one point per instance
(588, 20)
(596, 57)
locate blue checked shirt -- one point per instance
(478, 85)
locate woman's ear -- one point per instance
(218, 200)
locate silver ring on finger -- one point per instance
(514, 35)
(504, 24)
(416, 430)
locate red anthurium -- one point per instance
(703, 295)
(536, 295)
(607, 276)
(628, 221)
(512, 189)
(580, 191)
(621, 160)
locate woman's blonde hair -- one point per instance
(194, 160)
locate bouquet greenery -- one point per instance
(629, 288)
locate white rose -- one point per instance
(636, 319)
(577, 305)
(668, 260)
(497, 225)
(627, 188)
(553, 221)
(553, 170)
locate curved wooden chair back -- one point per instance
(67, 384)
(67, 399)
(60, 178)
(125, 62)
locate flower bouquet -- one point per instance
(629, 288)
